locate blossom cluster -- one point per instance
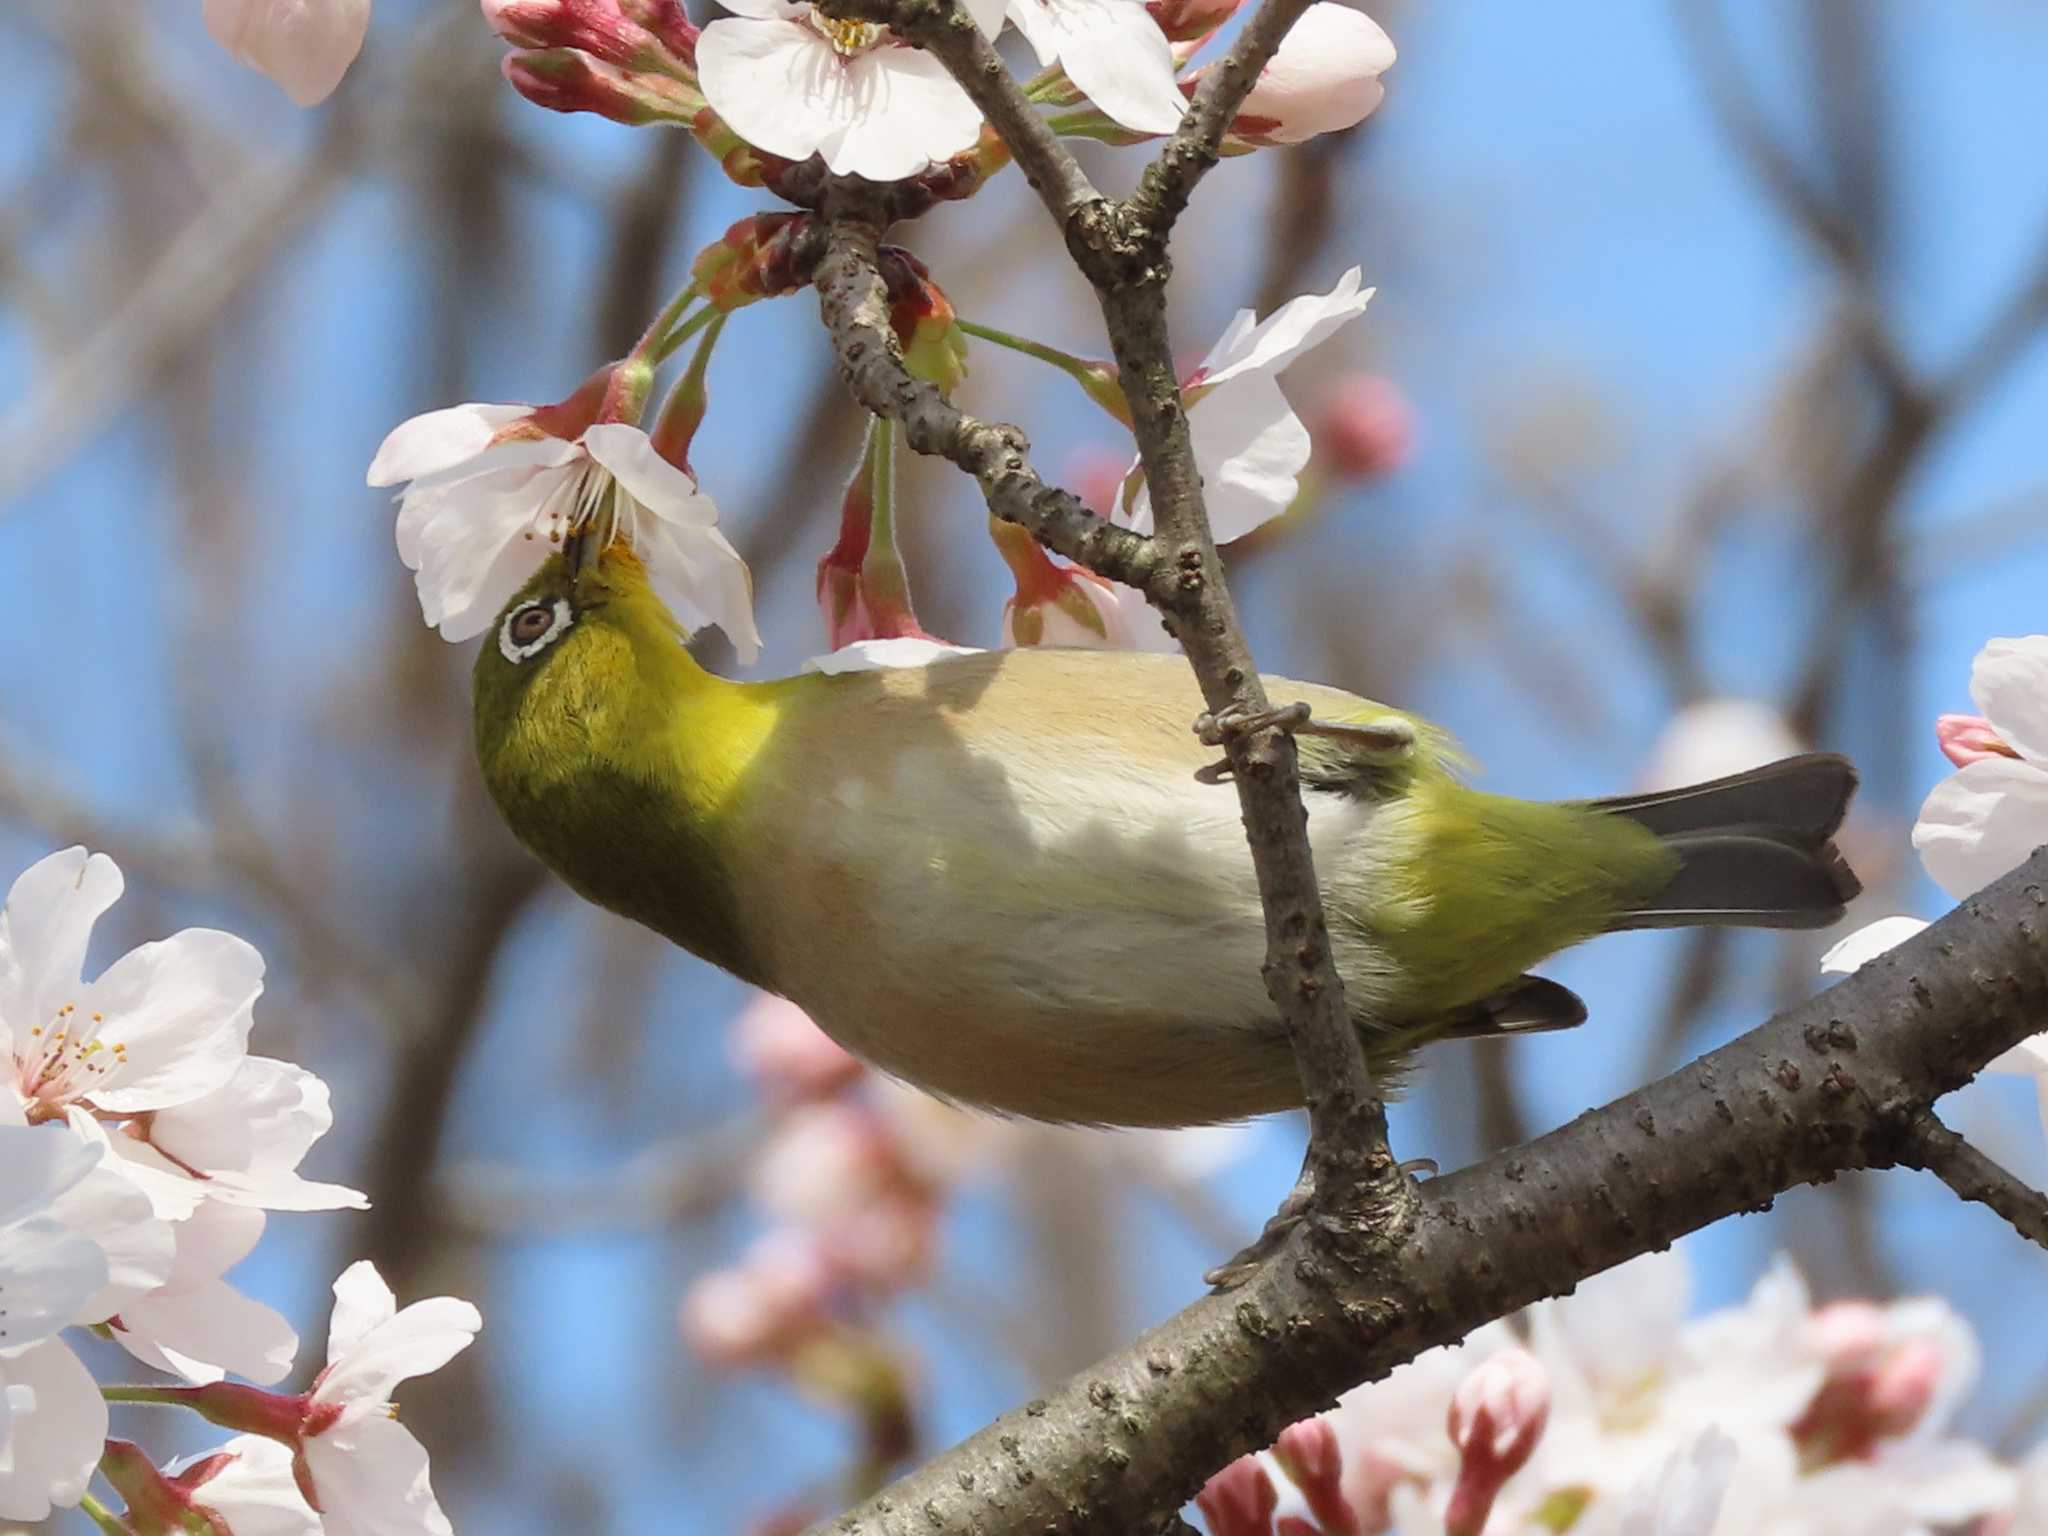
(1983, 820)
(1610, 1415)
(142, 1147)
(853, 1181)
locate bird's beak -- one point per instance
(580, 552)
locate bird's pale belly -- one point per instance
(1071, 966)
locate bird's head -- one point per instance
(573, 649)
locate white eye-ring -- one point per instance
(531, 628)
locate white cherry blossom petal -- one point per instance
(182, 1008)
(1114, 51)
(198, 1326)
(109, 1211)
(362, 1304)
(1324, 77)
(1981, 822)
(249, 1135)
(57, 1429)
(47, 1275)
(306, 46)
(652, 481)
(1292, 329)
(875, 655)
(1867, 943)
(372, 1346)
(883, 112)
(372, 1477)
(2009, 682)
(35, 1168)
(438, 441)
(1250, 448)
(254, 1489)
(44, 929)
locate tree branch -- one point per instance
(1192, 152)
(1973, 1176)
(1837, 1083)
(855, 307)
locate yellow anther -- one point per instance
(847, 36)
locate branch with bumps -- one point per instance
(1843, 1081)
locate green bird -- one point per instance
(1005, 876)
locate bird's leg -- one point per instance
(1216, 730)
(1239, 1267)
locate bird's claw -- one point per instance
(1294, 1210)
(1236, 722)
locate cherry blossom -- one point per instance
(1624, 1419)
(1985, 818)
(493, 493)
(1113, 50)
(52, 1419)
(366, 1472)
(1249, 445)
(165, 1024)
(1326, 76)
(1061, 604)
(248, 1486)
(794, 82)
(195, 1324)
(306, 46)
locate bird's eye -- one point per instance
(531, 628)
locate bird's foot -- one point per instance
(1240, 1266)
(1234, 723)
(1294, 1210)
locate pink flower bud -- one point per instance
(829, 1162)
(774, 1042)
(1326, 76)
(1239, 1500)
(1496, 1417)
(1309, 1454)
(934, 348)
(1185, 20)
(1367, 427)
(1967, 739)
(887, 1244)
(1880, 1382)
(759, 257)
(765, 1310)
(304, 48)
(569, 80)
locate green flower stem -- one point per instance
(108, 1522)
(883, 579)
(683, 412)
(673, 342)
(166, 1397)
(652, 340)
(1097, 380)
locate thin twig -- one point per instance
(1973, 1176)
(1193, 150)
(854, 303)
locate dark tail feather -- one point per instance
(1528, 1005)
(1755, 848)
